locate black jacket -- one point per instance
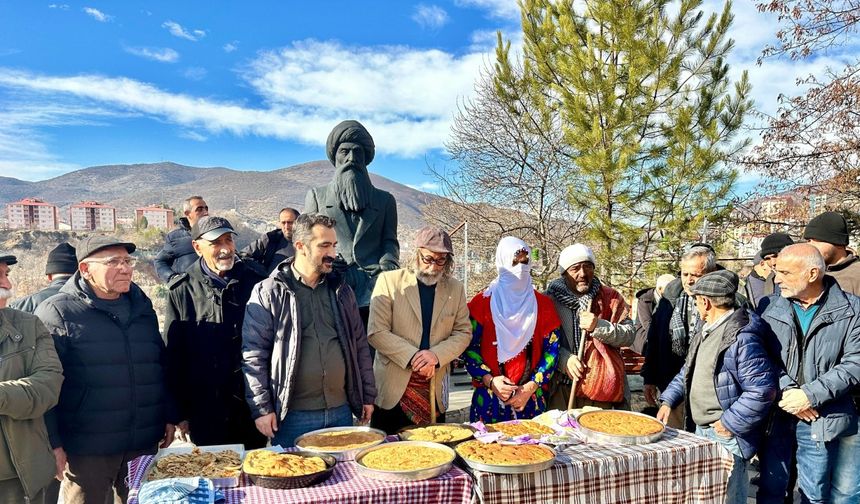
(266, 253)
(203, 327)
(645, 306)
(29, 303)
(114, 397)
(177, 254)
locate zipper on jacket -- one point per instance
(12, 354)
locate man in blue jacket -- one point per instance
(728, 380)
(817, 327)
(178, 254)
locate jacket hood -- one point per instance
(184, 224)
(844, 263)
(642, 292)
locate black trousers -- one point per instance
(394, 419)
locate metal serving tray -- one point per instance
(305, 480)
(411, 475)
(602, 437)
(219, 482)
(341, 455)
(401, 434)
(512, 469)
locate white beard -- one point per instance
(6, 293)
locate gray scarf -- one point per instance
(559, 290)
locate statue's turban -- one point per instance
(350, 131)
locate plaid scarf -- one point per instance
(559, 290)
(679, 329)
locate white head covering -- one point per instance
(512, 300)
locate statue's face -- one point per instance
(349, 155)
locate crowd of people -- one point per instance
(317, 325)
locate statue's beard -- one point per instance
(353, 187)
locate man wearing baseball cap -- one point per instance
(203, 327)
(418, 324)
(584, 303)
(30, 380)
(60, 266)
(115, 404)
(828, 232)
(727, 382)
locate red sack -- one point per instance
(604, 375)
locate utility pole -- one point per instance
(466, 258)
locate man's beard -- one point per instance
(353, 187)
(224, 263)
(6, 293)
(429, 279)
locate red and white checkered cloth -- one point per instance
(680, 468)
(344, 486)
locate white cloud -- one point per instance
(426, 186)
(177, 30)
(430, 16)
(97, 14)
(193, 135)
(505, 9)
(163, 55)
(231, 46)
(58, 6)
(195, 73)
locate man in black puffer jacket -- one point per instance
(178, 254)
(114, 404)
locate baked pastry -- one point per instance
(339, 440)
(281, 465)
(437, 433)
(516, 428)
(221, 464)
(405, 458)
(503, 454)
(620, 423)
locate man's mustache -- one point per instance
(327, 260)
(221, 257)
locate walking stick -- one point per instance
(575, 382)
(433, 399)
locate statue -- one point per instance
(365, 217)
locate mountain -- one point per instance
(257, 195)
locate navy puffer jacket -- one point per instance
(114, 398)
(745, 379)
(178, 254)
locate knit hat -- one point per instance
(61, 260)
(573, 254)
(829, 227)
(773, 243)
(721, 283)
(434, 239)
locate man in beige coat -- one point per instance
(418, 324)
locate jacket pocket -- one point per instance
(12, 364)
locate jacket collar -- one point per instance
(844, 262)
(184, 224)
(281, 272)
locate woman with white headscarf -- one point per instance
(514, 345)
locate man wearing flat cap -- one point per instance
(584, 303)
(419, 323)
(728, 382)
(114, 405)
(30, 380)
(366, 217)
(203, 327)
(60, 266)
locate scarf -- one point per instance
(678, 325)
(559, 290)
(512, 300)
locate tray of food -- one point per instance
(222, 464)
(343, 443)
(516, 428)
(506, 458)
(405, 461)
(445, 433)
(296, 469)
(619, 427)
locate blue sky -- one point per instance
(258, 85)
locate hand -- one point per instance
(267, 425)
(807, 415)
(424, 358)
(587, 321)
(522, 396)
(427, 371)
(575, 368)
(60, 460)
(794, 401)
(183, 431)
(663, 413)
(169, 434)
(503, 388)
(651, 394)
(366, 412)
(721, 431)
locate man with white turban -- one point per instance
(514, 345)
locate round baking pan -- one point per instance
(412, 474)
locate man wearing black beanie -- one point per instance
(60, 266)
(828, 232)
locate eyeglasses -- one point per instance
(115, 262)
(442, 261)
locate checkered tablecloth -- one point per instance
(680, 468)
(344, 486)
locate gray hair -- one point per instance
(186, 205)
(721, 301)
(303, 230)
(292, 210)
(700, 251)
(447, 271)
(809, 256)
